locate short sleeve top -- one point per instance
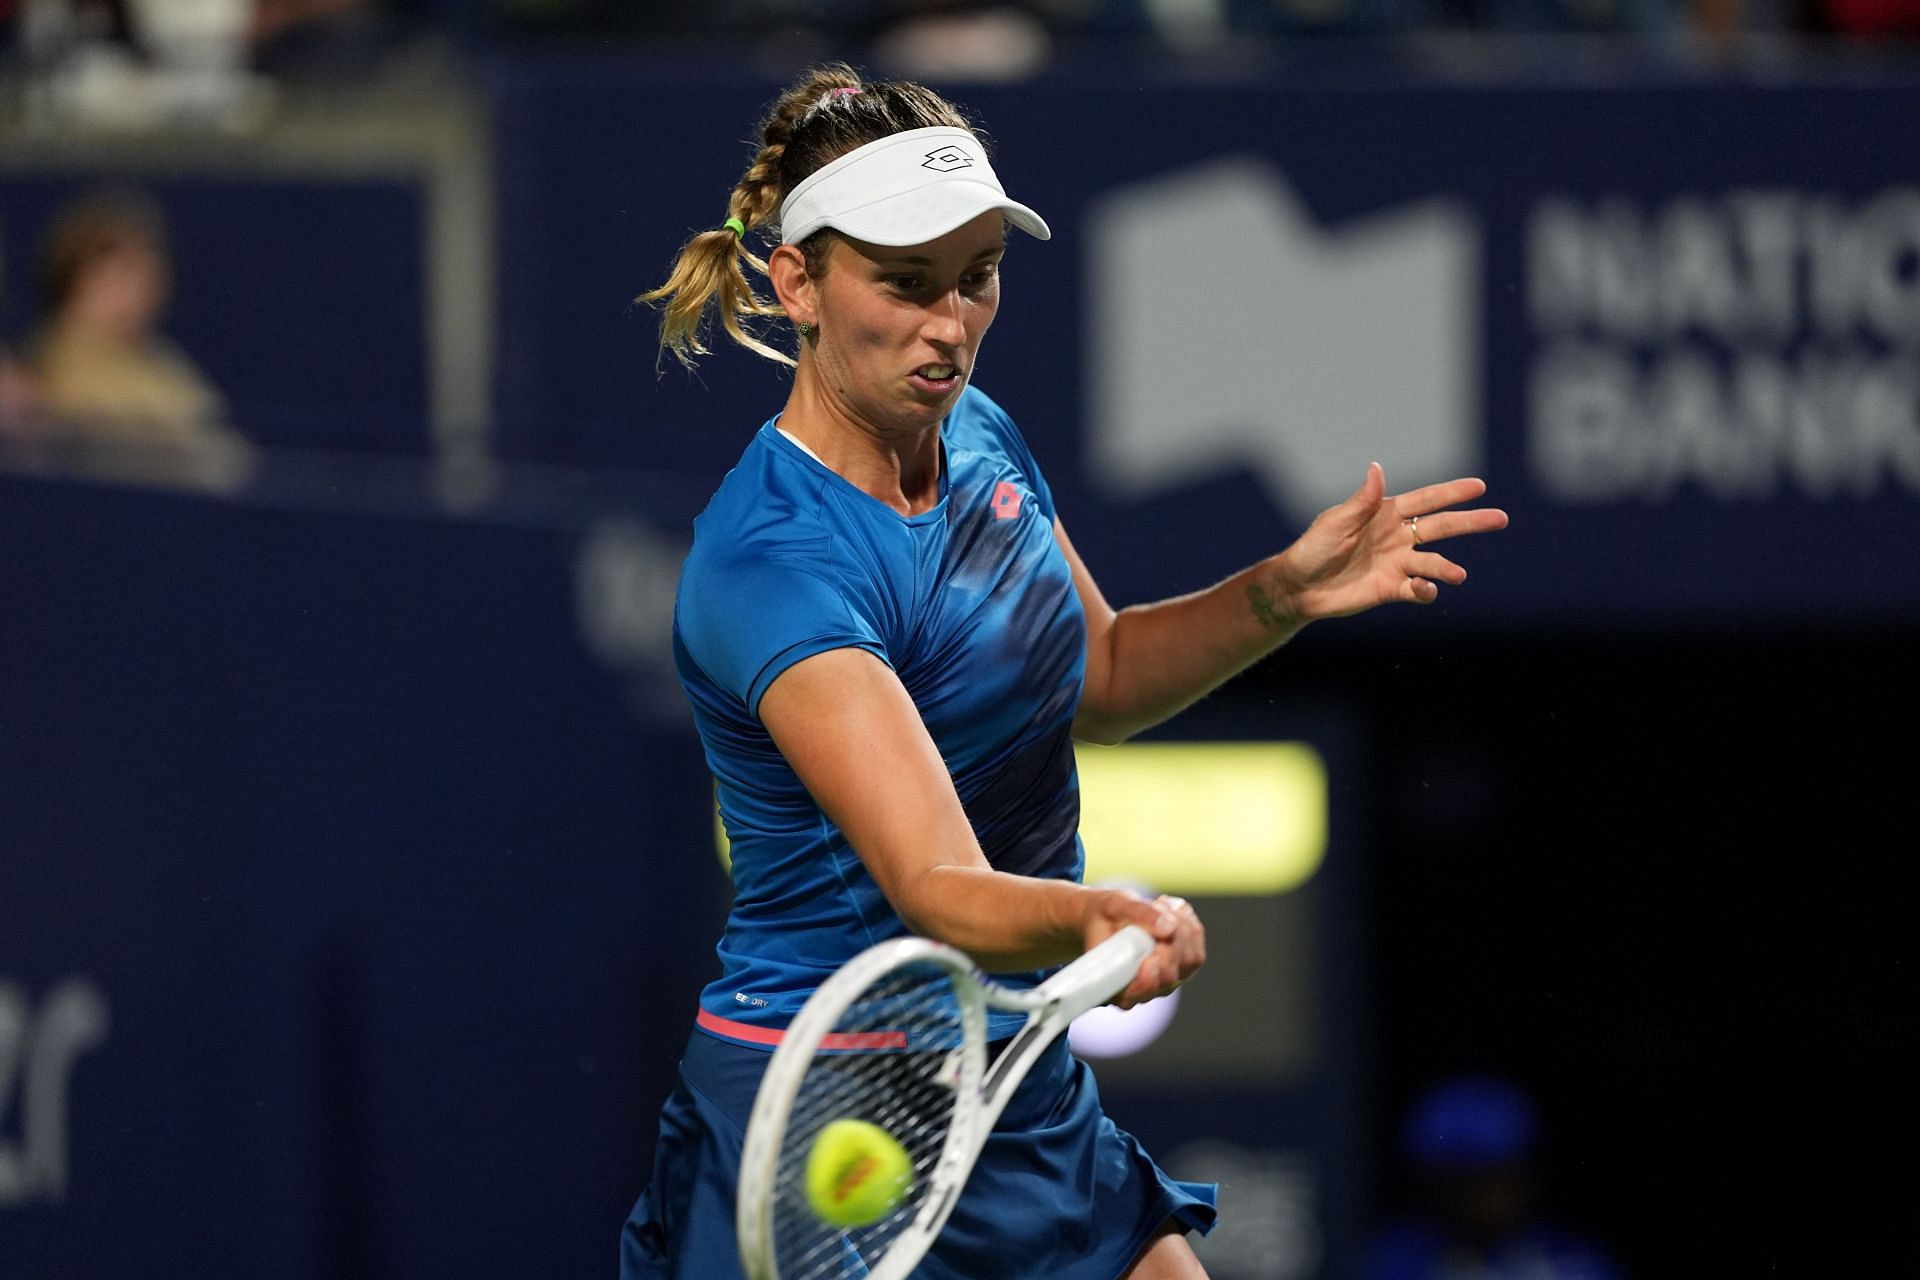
(973, 606)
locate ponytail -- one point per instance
(824, 115)
(710, 273)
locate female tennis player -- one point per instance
(890, 644)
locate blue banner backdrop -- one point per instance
(354, 879)
(352, 900)
(1676, 327)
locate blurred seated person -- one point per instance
(1470, 1145)
(105, 374)
(19, 398)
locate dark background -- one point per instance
(327, 761)
(1660, 880)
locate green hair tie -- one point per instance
(734, 225)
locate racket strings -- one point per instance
(902, 1077)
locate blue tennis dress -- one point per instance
(972, 605)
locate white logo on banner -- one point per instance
(625, 579)
(38, 1052)
(1745, 344)
(1228, 330)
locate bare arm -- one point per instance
(1149, 662)
(854, 737)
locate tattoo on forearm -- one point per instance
(1264, 610)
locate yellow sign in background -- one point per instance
(1204, 819)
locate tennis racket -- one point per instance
(898, 1038)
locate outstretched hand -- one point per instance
(1369, 549)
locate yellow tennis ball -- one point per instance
(856, 1173)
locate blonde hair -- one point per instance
(822, 116)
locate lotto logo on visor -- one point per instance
(946, 160)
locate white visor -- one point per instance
(906, 188)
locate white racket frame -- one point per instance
(980, 1093)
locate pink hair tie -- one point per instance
(828, 98)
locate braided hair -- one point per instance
(822, 116)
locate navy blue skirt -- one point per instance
(1058, 1186)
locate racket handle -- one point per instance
(1100, 974)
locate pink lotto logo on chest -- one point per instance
(1006, 501)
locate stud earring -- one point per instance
(806, 328)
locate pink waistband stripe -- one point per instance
(767, 1035)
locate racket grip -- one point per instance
(1101, 973)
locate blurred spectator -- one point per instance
(136, 64)
(1471, 1147)
(19, 398)
(105, 374)
(139, 64)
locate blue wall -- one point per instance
(396, 903)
